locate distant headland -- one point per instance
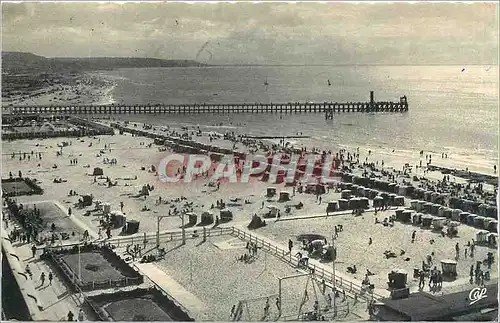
(22, 62)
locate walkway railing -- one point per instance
(318, 271)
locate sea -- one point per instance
(452, 109)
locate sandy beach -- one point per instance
(136, 155)
(63, 89)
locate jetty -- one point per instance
(328, 108)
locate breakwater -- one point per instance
(292, 107)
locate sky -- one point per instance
(301, 33)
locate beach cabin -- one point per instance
(207, 217)
(463, 217)
(427, 221)
(447, 213)
(427, 196)
(419, 193)
(402, 190)
(449, 268)
(354, 203)
(392, 196)
(332, 206)
(364, 203)
(455, 214)
(454, 202)
(482, 209)
(413, 205)
(440, 211)
(491, 211)
(479, 222)
(378, 201)
(272, 211)
(420, 206)
(97, 172)
(399, 214)
(428, 207)
(482, 237)
(417, 218)
(343, 204)
(225, 215)
(492, 239)
(434, 197)
(345, 194)
(106, 208)
(271, 192)
(486, 223)
(361, 191)
(399, 201)
(192, 218)
(367, 192)
(284, 196)
(397, 279)
(435, 209)
(470, 219)
(391, 187)
(493, 226)
(406, 216)
(132, 226)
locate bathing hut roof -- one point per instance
(378, 197)
(284, 192)
(208, 212)
(272, 207)
(346, 191)
(190, 213)
(400, 196)
(427, 216)
(449, 261)
(318, 242)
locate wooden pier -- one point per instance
(329, 108)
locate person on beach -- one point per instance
(42, 279)
(80, 316)
(70, 316)
(413, 235)
(51, 277)
(457, 251)
(33, 251)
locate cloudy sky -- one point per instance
(262, 33)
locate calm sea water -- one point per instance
(453, 109)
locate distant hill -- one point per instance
(20, 62)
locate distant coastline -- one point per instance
(20, 62)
